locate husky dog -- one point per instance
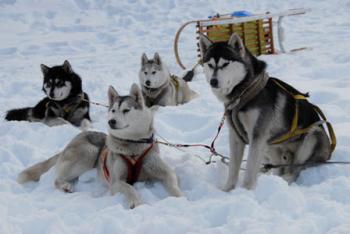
(64, 102)
(259, 111)
(126, 155)
(159, 87)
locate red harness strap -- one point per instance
(134, 164)
(103, 157)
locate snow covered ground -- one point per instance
(104, 40)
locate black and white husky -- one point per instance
(260, 110)
(64, 102)
(159, 87)
(126, 155)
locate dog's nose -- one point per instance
(51, 94)
(112, 123)
(214, 83)
(148, 83)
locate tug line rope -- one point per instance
(225, 159)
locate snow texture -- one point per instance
(104, 41)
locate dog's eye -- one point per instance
(154, 72)
(126, 111)
(113, 111)
(210, 66)
(224, 65)
(145, 73)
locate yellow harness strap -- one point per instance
(175, 82)
(67, 109)
(294, 131)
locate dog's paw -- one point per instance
(228, 187)
(290, 178)
(175, 192)
(134, 203)
(64, 186)
(248, 185)
(85, 125)
(67, 188)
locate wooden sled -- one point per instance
(256, 31)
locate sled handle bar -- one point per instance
(176, 42)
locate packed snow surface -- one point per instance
(104, 41)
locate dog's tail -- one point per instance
(34, 172)
(18, 114)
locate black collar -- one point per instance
(154, 92)
(149, 140)
(151, 90)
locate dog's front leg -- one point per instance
(52, 116)
(129, 192)
(171, 184)
(236, 155)
(85, 124)
(55, 121)
(161, 171)
(253, 164)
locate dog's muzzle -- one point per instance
(214, 83)
(112, 123)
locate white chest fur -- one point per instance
(249, 120)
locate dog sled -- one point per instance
(256, 31)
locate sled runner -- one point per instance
(256, 31)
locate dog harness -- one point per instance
(252, 90)
(133, 162)
(294, 130)
(246, 95)
(70, 106)
(151, 101)
(174, 80)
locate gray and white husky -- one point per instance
(161, 88)
(130, 126)
(261, 109)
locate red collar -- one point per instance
(133, 162)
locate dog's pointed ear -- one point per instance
(204, 43)
(157, 59)
(67, 67)
(112, 95)
(236, 42)
(144, 59)
(136, 93)
(44, 69)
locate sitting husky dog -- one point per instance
(159, 87)
(64, 102)
(128, 154)
(260, 111)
